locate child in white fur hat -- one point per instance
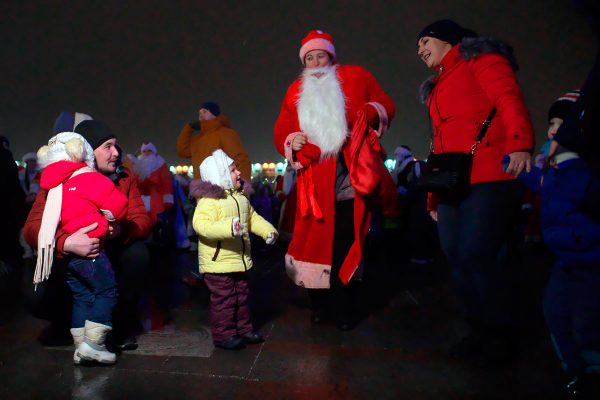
(78, 197)
(224, 219)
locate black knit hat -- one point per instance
(446, 30)
(212, 107)
(95, 132)
(561, 106)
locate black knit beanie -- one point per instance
(446, 30)
(212, 107)
(561, 106)
(95, 132)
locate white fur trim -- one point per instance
(384, 121)
(146, 201)
(322, 110)
(289, 152)
(317, 44)
(168, 198)
(306, 274)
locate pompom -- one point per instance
(42, 154)
(75, 150)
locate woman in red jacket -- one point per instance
(474, 75)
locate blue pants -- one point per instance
(572, 311)
(475, 234)
(92, 282)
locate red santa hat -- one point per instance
(317, 40)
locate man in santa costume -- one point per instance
(156, 184)
(326, 130)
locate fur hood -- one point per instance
(200, 189)
(468, 49)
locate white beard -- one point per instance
(322, 110)
(143, 165)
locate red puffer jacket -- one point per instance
(474, 77)
(84, 195)
(135, 225)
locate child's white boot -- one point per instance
(78, 334)
(93, 348)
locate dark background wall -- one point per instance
(144, 67)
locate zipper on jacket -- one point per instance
(217, 251)
(242, 237)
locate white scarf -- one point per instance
(322, 109)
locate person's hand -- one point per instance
(80, 244)
(114, 230)
(195, 125)
(434, 215)
(298, 142)
(519, 161)
(553, 147)
(236, 227)
(308, 154)
(271, 238)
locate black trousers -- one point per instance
(340, 300)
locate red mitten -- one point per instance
(372, 116)
(307, 154)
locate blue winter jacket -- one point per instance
(569, 211)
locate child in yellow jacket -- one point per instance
(223, 220)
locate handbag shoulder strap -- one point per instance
(482, 131)
(484, 127)
(486, 124)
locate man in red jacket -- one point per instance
(125, 248)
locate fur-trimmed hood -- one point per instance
(468, 49)
(202, 189)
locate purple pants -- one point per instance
(229, 312)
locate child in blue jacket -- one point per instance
(570, 220)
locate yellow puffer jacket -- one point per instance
(218, 250)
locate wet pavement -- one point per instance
(398, 351)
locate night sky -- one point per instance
(144, 67)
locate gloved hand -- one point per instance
(271, 238)
(307, 154)
(372, 116)
(195, 125)
(236, 227)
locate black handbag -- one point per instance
(450, 173)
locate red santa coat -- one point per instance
(83, 196)
(156, 187)
(311, 246)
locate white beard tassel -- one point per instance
(322, 110)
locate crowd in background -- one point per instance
(333, 200)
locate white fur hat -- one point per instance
(215, 169)
(149, 146)
(66, 146)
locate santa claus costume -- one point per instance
(156, 185)
(340, 168)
